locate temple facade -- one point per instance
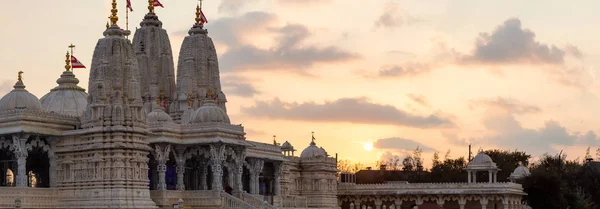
(142, 138)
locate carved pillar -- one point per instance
(378, 203)
(256, 168)
(440, 201)
(180, 160)
(278, 172)
(21, 153)
(217, 156)
(490, 177)
(398, 203)
(161, 154)
(462, 202)
(238, 170)
(495, 176)
(203, 185)
(52, 158)
(484, 202)
(469, 176)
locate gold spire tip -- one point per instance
(20, 77)
(151, 6)
(113, 17)
(198, 19)
(68, 61)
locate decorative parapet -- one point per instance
(38, 115)
(430, 188)
(29, 197)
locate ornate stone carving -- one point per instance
(162, 156)
(217, 156)
(20, 151)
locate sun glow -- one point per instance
(368, 146)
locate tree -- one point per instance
(436, 158)
(451, 170)
(447, 155)
(348, 166)
(417, 159)
(407, 163)
(587, 154)
(507, 161)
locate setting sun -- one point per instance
(368, 146)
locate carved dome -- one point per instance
(313, 151)
(158, 116)
(67, 97)
(287, 145)
(19, 98)
(520, 172)
(210, 112)
(482, 161)
(187, 115)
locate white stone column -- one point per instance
(484, 202)
(257, 166)
(52, 158)
(217, 157)
(21, 153)
(462, 202)
(469, 176)
(495, 176)
(161, 154)
(180, 161)
(490, 177)
(203, 184)
(398, 203)
(278, 172)
(440, 201)
(378, 203)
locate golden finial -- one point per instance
(208, 93)
(274, 141)
(68, 62)
(113, 17)
(198, 19)
(151, 6)
(107, 25)
(20, 78)
(189, 101)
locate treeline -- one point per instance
(554, 183)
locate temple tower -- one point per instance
(198, 68)
(105, 164)
(155, 58)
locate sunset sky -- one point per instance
(391, 74)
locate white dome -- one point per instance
(313, 151)
(67, 97)
(481, 161)
(158, 115)
(210, 112)
(520, 172)
(286, 145)
(19, 98)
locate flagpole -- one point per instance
(126, 18)
(72, 46)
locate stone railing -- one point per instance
(30, 197)
(263, 146)
(192, 198)
(290, 201)
(256, 201)
(231, 202)
(430, 188)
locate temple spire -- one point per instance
(68, 62)
(113, 17)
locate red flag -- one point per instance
(157, 4)
(75, 63)
(202, 17)
(164, 104)
(129, 6)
